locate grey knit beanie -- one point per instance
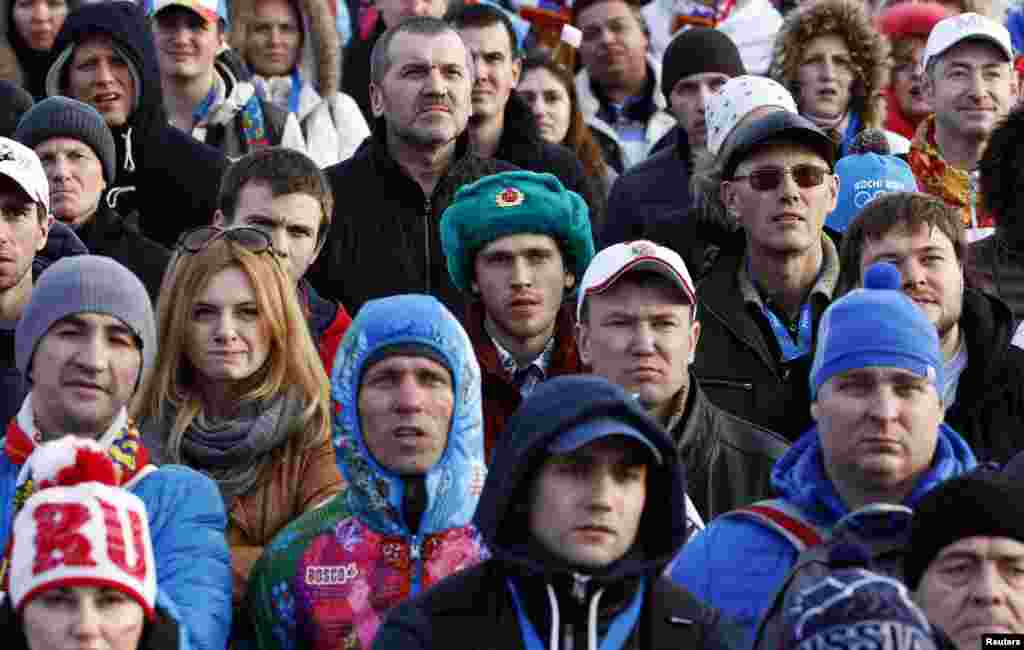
(63, 117)
(85, 284)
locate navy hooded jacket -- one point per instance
(175, 177)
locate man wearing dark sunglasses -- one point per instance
(283, 193)
(762, 303)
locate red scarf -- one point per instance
(126, 449)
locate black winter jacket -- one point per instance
(651, 193)
(175, 177)
(522, 146)
(996, 265)
(738, 360)
(385, 233)
(108, 233)
(728, 460)
(989, 407)
(473, 609)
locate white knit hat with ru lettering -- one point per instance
(88, 535)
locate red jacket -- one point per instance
(500, 396)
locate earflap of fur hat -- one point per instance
(868, 48)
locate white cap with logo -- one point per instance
(611, 263)
(950, 31)
(21, 165)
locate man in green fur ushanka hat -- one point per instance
(517, 243)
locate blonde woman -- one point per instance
(238, 390)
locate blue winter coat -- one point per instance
(736, 564)
(187, 523)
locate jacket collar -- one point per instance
(564, 356)
(986, 325)
(384, 161)
(800, 477)
(824, 286)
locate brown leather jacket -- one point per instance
(299, 479)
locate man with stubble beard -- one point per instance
(386, 240)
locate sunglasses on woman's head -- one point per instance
(769, 178)
(252, 239)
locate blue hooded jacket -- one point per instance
(328, 578)
(736, 564)
(375, 494)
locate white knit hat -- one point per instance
(89, 534)
(735, 100)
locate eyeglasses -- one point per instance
(252, 239)
(806, 176)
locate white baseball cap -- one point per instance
(21, 165)
(641, 255)
(950, 31)
(735, 100)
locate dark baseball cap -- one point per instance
(778, 126)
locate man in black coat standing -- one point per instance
(582, 508)
(104, 56)
(389, 196)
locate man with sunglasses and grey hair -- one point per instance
(761, 304)
(283, 193)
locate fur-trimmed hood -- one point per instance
(320, 58)
(868, 48)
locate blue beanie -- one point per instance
(876, 326)
(862, 179)
(856, 608)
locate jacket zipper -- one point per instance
(426, 241)
(416, 555)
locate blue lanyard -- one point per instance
(791, 349)
(293, 96)
(620, 629)
(852, 129)
(204, 106)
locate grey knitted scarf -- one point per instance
(233, 452)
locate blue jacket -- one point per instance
(193, 563)
(736, 564)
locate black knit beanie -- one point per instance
(699, 50)
(63, 117)
(981, 503)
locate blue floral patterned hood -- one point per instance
(454, 484)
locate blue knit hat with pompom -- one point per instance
(874, 327)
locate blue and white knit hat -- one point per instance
(876, 326)
(861, 608)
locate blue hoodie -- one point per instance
(737, 564)
(329, 578)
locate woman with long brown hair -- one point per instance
(548, 88)
(237, 390)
